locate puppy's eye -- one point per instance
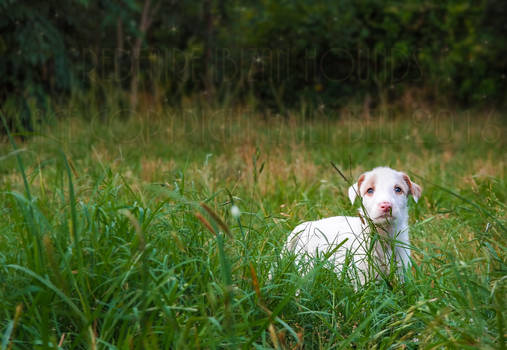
(397, 189)
(370, 190)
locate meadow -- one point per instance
(117, 230)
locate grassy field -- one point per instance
(105, 242)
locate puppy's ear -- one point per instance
(354, 189)
(414, 189)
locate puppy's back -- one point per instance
(323, 235)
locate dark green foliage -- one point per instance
(281, 52)
(346, 48)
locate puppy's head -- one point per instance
(384, 192)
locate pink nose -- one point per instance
(385, 206)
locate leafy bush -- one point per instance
(280, 52)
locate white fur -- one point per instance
(385, 207)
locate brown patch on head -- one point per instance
(359, 182)
(368, 183)
(405, 189)
(414, 189)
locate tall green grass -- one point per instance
(117, 233)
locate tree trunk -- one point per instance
(119, 49)
(208, 77)
(144, 24)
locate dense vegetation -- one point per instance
(281, 53)
(132, 130)
(105, 243)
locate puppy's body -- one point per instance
(384, 194)
(323, 236)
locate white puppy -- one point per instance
(384, 194)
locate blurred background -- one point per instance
(272, 55)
